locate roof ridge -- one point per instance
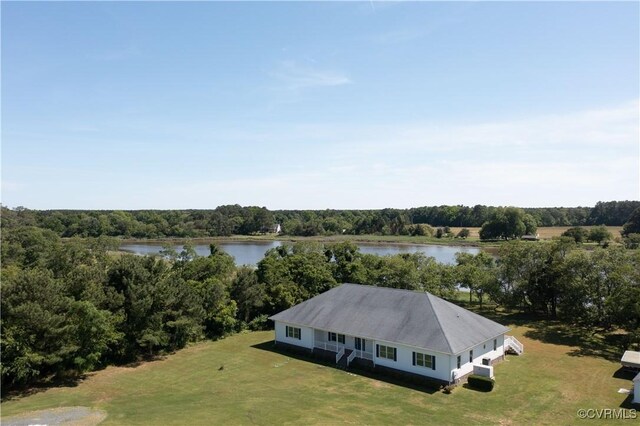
(406, 290)
(435, 314)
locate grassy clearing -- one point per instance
(259, 385)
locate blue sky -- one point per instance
(115, 105)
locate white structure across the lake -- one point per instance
(414, 332)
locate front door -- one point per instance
(360, 344)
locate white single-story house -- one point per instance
(414, 332)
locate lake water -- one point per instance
(251, 252)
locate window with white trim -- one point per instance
(293, 332)
(424, 360)
(387, 352)
(333, 337)
(495, 344)
(459, 361)
(471, 355)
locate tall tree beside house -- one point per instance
(530, 275)
(596, 283)
(400, 271)
(250, 294)
(438, 278)
(294, 273)
(477, 273)
(346, 261)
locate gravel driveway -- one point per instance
(76, 416)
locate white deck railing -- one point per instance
(327, 346)
(339, 354)
(363, 354)
(336, 347)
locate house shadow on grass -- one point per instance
(625, 374)
(587, 342)
(270, 346)
(628, 403)
(18, 392)
(504, 317)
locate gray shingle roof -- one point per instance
(398, 316)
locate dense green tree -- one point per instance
(632, 241)
(346, 262)
(477, 273)
(235, 219)
(578, 233)
(508, 223)
(463, 233)
(613, 213)
(249, 294)
(437, 278)
(530, 274)
(28, 246)
(392, 271)
(45, 332)
(600, 234)
(632, 226)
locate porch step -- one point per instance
(513, 345)
(342, 362)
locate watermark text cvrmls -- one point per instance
(607, 413)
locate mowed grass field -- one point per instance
(547, 385)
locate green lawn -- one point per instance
(257, 385)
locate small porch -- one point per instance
(345, 347)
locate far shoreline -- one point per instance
(361, 239)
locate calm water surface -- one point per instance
(251, 252)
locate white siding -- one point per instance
(404, 361)
(306, 335)
(483, 350)
(445, 364)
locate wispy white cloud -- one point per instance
(296, 76)
(571, 159)
(606, 131)
(568, 159)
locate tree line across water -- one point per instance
(238, 220)
(72, 306)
